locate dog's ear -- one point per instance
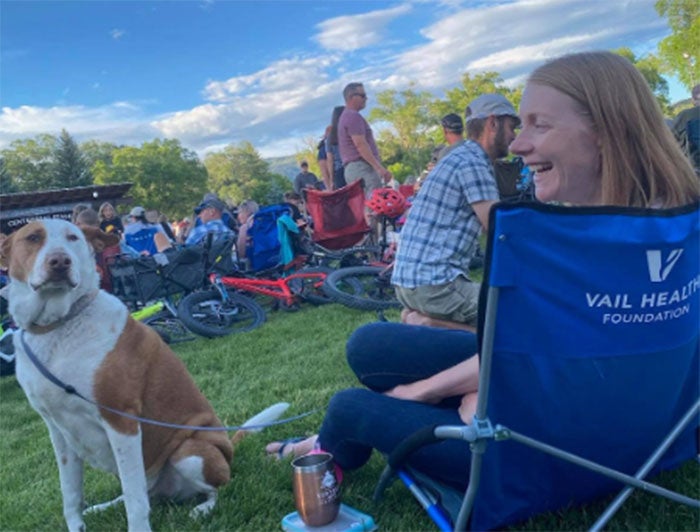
(5, 249)
(99, 239)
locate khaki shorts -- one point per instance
(363, 170)
(455, 301)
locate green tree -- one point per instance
(239, 173)
(309, 153)
(7, 184)
(165, 175)
(410, 117)
(29, 163)
(680, 51)
(650, 68)
(71, 169)
(457, 99)
(95, 151)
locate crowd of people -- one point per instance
(592, 132)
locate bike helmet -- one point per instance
(387, 201)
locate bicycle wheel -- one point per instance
(376, 293)
(206, 314)
(170, 328)
(311, 288)
(360, 256)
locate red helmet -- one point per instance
(387, 201)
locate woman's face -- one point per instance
(108, 212)
(558, 143)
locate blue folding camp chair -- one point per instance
(589, 376)
(264, 249)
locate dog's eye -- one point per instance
(72, 237)
(34, 238)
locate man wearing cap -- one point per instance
(440, 236)
(686, 128)
(453, 131)
(209, 212)
(139, 233)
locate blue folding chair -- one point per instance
(589, 376)
(263, 251)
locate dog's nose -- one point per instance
(58, 263)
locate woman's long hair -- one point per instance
(333, 135)
(642, 164)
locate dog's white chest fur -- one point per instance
(73, 353)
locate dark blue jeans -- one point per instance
(384, 355)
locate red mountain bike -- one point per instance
(207, 312)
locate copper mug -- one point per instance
(316, 489)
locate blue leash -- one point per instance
(69, 389)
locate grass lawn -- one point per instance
(295, 357)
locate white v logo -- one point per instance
(659, 270)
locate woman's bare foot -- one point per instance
(291, 447)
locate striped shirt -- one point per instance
(441, 232)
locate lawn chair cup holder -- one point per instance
(575, 393)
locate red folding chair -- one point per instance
(338, 216)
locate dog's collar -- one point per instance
(75, 309)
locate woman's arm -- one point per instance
(455, 381)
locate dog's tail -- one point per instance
(258, 421)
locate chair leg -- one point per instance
(648, 465)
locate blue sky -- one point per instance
(211, 73)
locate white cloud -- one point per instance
(513, 38)
(117, 33)
(291, 98)
(352, 32)
(119, 123)
(288, 76)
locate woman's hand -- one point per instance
(415, 391)
(467, 408)
(456, 381)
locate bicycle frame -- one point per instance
(277, 288)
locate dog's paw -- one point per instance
(203, 509)
(75, 525)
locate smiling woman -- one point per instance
(594, 134)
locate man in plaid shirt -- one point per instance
(441, 233)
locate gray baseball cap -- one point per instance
(490, 104)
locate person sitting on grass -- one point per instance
(587, 141)
(442, 229)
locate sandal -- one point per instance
(284, 444)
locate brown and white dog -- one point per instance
(86, 338)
